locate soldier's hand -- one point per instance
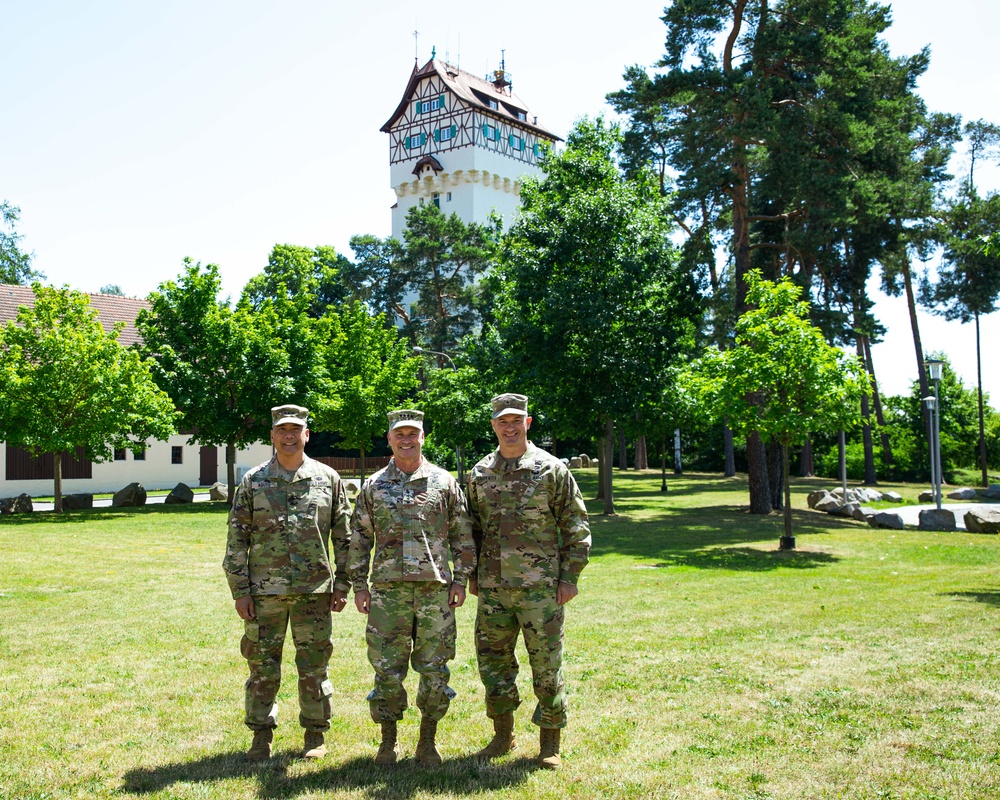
(474, 587)
(338, 600)
(456, 596)
(244, 607)
(565, 593)
(363, 600)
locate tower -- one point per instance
(461, 142)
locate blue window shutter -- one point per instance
(437, 134)
(441, 100)
(454, 131)
(407, 145)
(418, 106)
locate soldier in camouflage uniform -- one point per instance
(533, 541)
(414, 514)
(278, 563)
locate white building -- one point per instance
(161, 466)
(461, 142)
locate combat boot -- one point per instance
(548, 755)
(260, 750)
(314, 746)
(388, 751)
(503, 737)
(427, 753)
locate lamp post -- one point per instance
(458, 448)
(935, 369)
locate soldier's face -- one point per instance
(406, 442)
(289, 439)
(512, 430)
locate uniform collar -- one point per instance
(524, 461)
(396, 475)
(307, 469)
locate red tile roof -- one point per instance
(110, 309)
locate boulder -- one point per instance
(131, 496)
(846, 510)
(78, 502)
(893, 497)
(352, 488)
(218, 491)
(576, 463)
(814, 497)
(862, 513)
(992, 491)
(870, 495)
(16, 505)
(983, 520)
(181, 493)
(933, 520)
(963, 494)
(585, 460)
(886, 519)
(926, 496)
(829, 504)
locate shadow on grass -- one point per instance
(465, 775)
(107, 513)
(990, 597)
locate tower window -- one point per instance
(444, 134)
(449, 197)
(491, 133)
(426, 106)
(437, 199)
(493, 104)
(415, 141)
(516, 142)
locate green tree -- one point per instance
(68, 384)
(15, 264)
(782, 378)
(367, 369)
(307, 279)
(224, 368)
(591, 304)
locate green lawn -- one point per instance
(702, 663)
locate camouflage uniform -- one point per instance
(413, 521)
(531, 530)
(278, 551)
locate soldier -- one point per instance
(414, 514)
(278, 564)
(533, 541)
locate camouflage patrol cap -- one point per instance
(406, 417)
(509, 404)
(295, 415)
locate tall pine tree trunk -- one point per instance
(760, 489)
(775, 475)
(877, 401)
(602, 465)
(608, 455)
(729, 450)
(622, 451)
(362, 450)
(641, 453)
(982, 426)
(807, 467)
(866, 423)
(231, 470)
(911, 307)
(57, 482)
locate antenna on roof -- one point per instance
(416, 45)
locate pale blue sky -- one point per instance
(133, 134)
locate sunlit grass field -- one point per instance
(702, 663)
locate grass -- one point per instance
(702, 663)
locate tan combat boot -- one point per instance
(260, 750)
(388, 751)
(314, 746)
(503, 737)
(427, 753)
(548, 755)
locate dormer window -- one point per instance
(493, 104)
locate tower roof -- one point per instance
(475, 92)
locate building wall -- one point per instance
(155, 472)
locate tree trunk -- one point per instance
(729, 450)
(877, 400)
(775, 475)
(760, 492)
(866, 424)
(57, 482)
(911, 307)
(231, 470)
(663, 465)
(622, 452)
(982, 427)
(678, 464)
(788, 490)
(807, 466)
(609, 443)
(641, 453)
(602, 465)
(362, 451)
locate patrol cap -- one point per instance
(295, 415)
(406, 417)
(509, 404)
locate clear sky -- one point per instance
(134, 134)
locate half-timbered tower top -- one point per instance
(463, 143)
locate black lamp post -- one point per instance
(935, 369)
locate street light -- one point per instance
(935, 368)
(458, 448)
